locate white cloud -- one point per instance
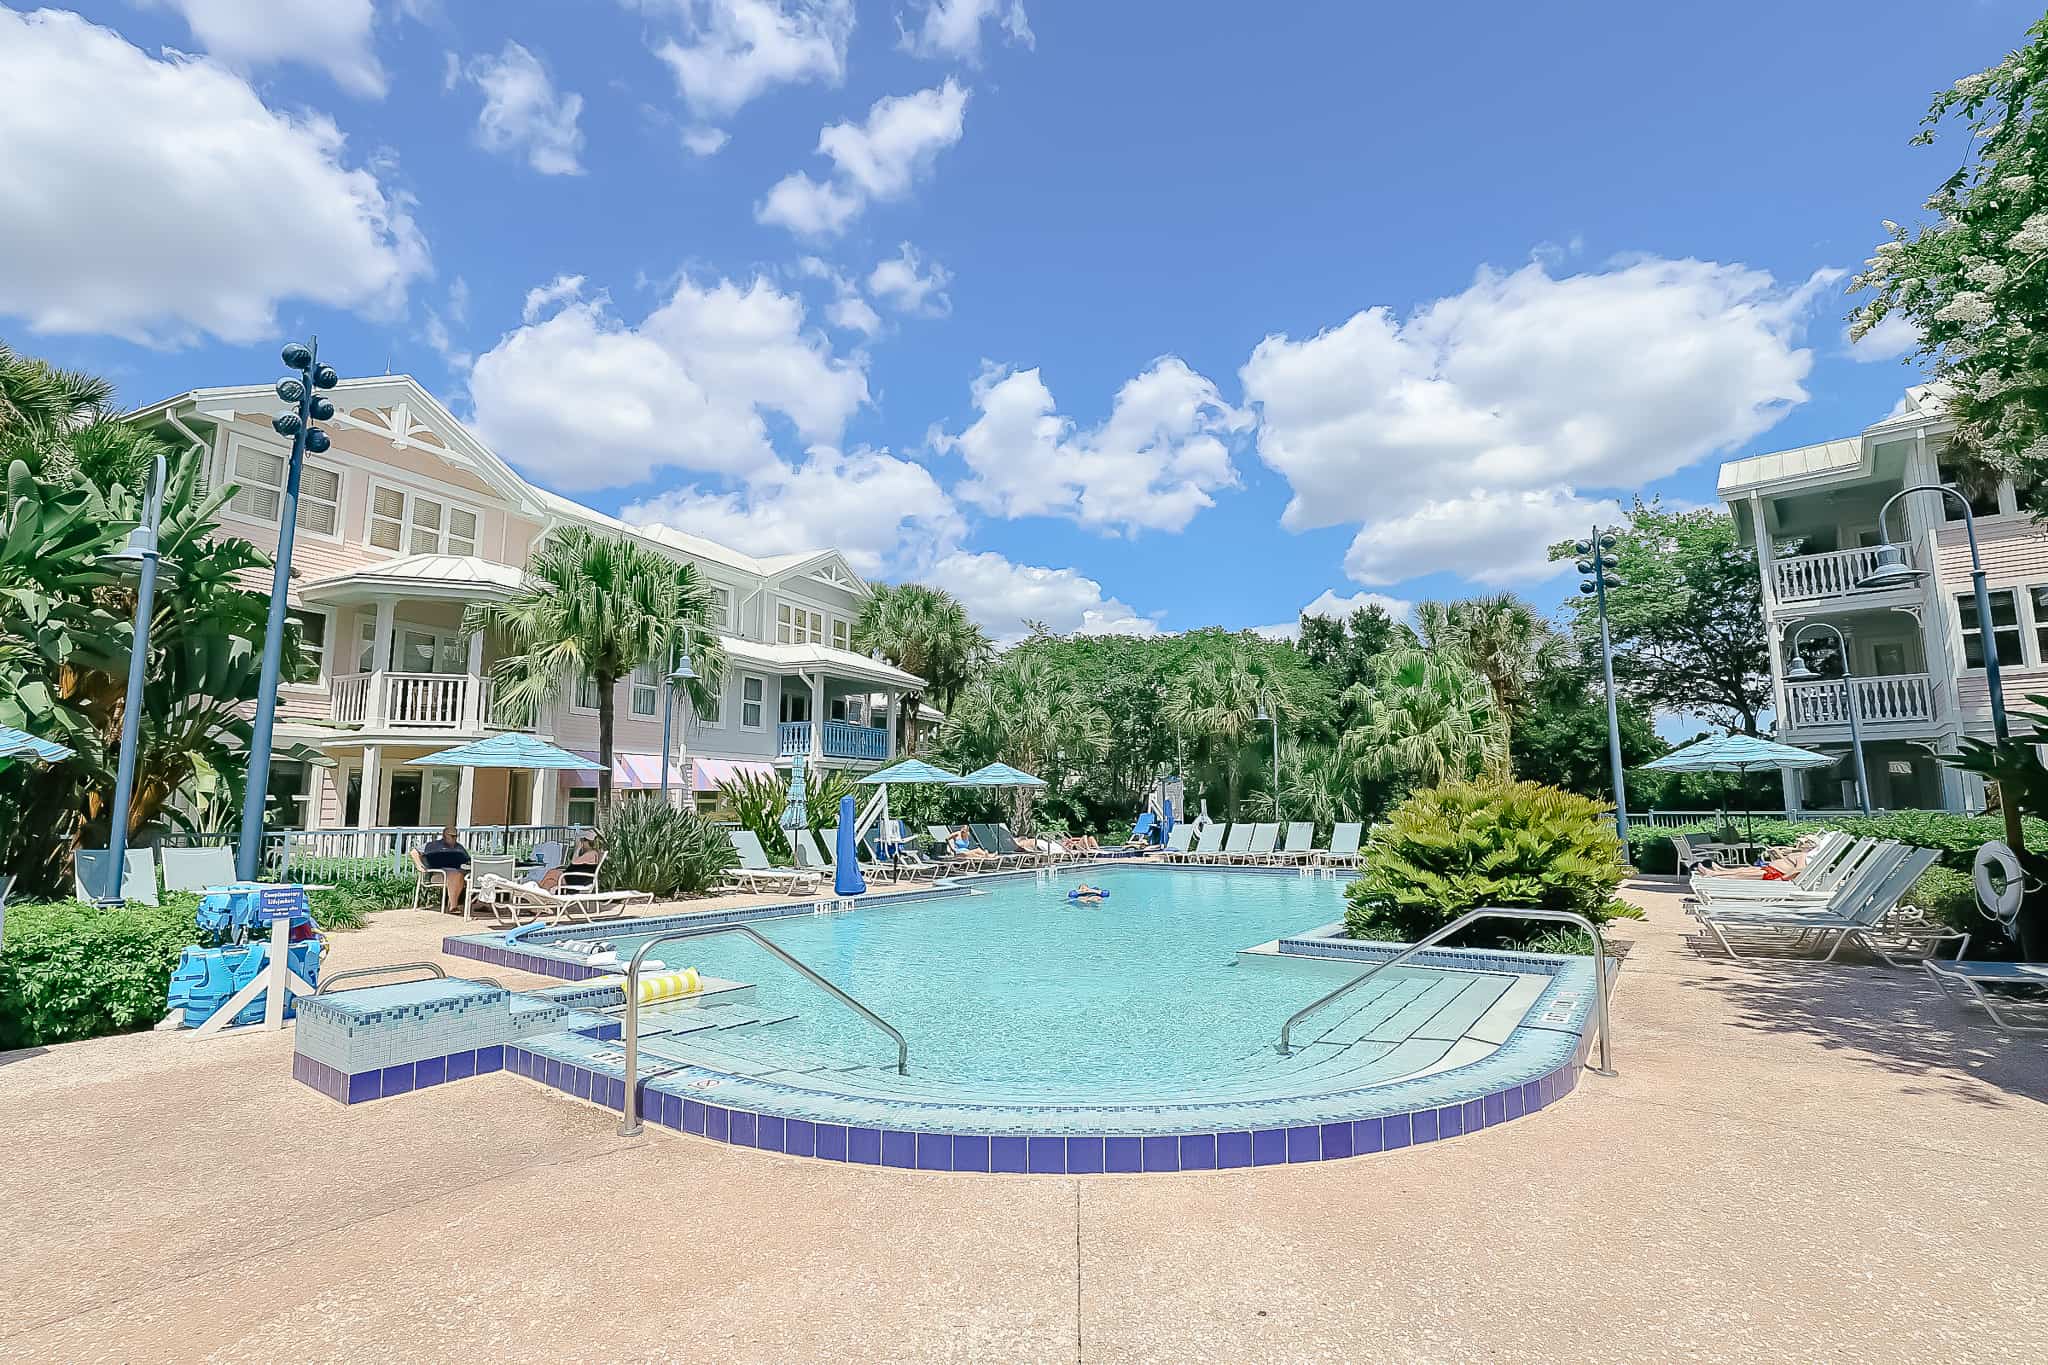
(1003, 596)
(331, 34)
(703, 140)
(848, 311)
(1338, 608)
(1153, 464)
(879, 158)
(524, 114)
(580, 397)
(1464, 437)
(735, 51)
(879, 511)
(1891, 338)
(903, 281)
(544, 298)
(436, 329)
(952, 28)
(161, 200)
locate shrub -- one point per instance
(70, 970)
(1956, 836)
(1453, 848)
(349, 904)
(662, 850)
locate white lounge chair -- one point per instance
(1822, 882)
(196, 869)
(1851, 914)
(1209, 844)
(870, 868)
(1178, 843)
(1236, 844)
(138, 879)
(1264, 843)
(756, 873)
(1967, 981)
(1300, 845)
(513, 902)
(1343, 849)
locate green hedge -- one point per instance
(70, 970)
(1957, 837)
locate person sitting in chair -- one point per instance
(962, 845)
(584, 860)
(445, 854)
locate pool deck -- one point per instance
(1797, 1161)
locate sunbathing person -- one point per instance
(585, 859)
(962, 845)
(1779, 863)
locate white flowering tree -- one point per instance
(1974, 283)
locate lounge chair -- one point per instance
(138, 880)
(1822, 868)
(1343, 849)
(513, 902)
(1141, 833)
(756, 873)
(1237, 845)
(1812, 884)
(1008, 844)
(945, 857)
(1967, 980)
(1208, 845)
(1178, 843)
(985, 838)
(1850, 915)
(871, 867)
(1265, 841)
(196, 869)
(1300, 845)
(1694, 853)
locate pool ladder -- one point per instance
(1606, 1067)
(629, 1124)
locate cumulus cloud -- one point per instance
(1339, 608)
(169, 202)
(333, 35)
(906, 282)
(1003, 597)
(879, 158)
(1152, 465)
(700, 140)
(1470, 434)
(523, 113)
(580, 397)
(879, 511)
(952, 28)
(732, 52)
(847, 311)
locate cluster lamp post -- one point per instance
(1595, 561)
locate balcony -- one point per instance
(1900, 700)
(1813, 578)
(842, 739)
(435, 703)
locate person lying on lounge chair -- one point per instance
(585, 859)
(445, 854)
(962, 845)
(1779, 863)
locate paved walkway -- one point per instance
(1797, 1162)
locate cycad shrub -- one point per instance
(1462, 845)
(662, 850)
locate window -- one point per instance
(712, 712)
(646, 697)
(2040, 596)
(582, 807)
(312, 630)
(839, 633)
(752, 692)
(259, 475)
(796, 625)
(402, 521)
(586, 693)
(366, 643)
(2005, 629)
(1983, 501)
(720, 609)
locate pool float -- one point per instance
(1078, 896)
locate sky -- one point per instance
(1117, 317)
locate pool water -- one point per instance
(1022, 991)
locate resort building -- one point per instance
(408, 518)
(1916, 649)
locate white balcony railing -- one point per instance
(1899, 699)
(1807, 578)
(348, 699)
(439, 702)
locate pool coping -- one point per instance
(1536, 1065)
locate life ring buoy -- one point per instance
(1999, 897)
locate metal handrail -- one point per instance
(433, 967)
(1605, 1068)
(629, 1123)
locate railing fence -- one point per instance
(358, 854)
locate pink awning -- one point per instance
(642, 772)
(712, 771)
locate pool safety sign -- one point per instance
(282, 902)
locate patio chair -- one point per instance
(756, 873)
(1343, 849)
(864, 859)
(1178, 843)
(196, 869)
(1010, 845)
(1264, 843)
(138, 878)
(1814, 881)
(1851, 916)
(1208, 845)
(985, 838)
(1694, 853)
(512, 902)
(503, 866)
(1141, 832)
(1300, 845)
(1237, 844)
(1967, 981)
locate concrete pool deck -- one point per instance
(1805, 1161)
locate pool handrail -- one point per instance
(629, 1123)
(1606, 1067)
(327, 986)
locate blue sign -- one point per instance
(282, 902)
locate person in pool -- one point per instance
(1084, 892)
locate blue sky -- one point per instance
(1068, 306)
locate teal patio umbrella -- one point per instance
(1001, 775)
(1737, 754)
(910, 772)
(796, 813)
(21, 744)
(509, 750)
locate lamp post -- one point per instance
(1801, 672)
(141, 554)
(309, 406)
(1595, 562)
(675, 682)
(1892, 571)
(1268, 712)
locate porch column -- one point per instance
(540, 799)
(465, 796)
(373, 778)
(1791, 781)
(318, 780)
(818, 718)
(380, 663)
(473, 690)
(889, 720)
(1759, 524)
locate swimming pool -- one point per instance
(1139, 1034)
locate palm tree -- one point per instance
(925, 631)
(1214, 706)
(41, 407)
(599, 607)
(1504, 640)
(1428, 718)
(1024, 714)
